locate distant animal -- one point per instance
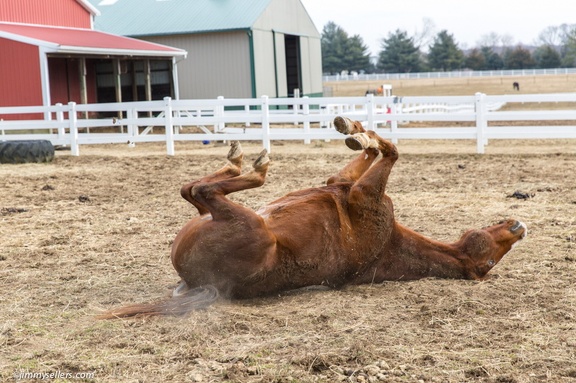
(516, 86)
(342, 233)
(377, 92)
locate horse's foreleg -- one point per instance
(211, 195)
(347, 126)
(354, 170)
(233, 168)
(357, 167)
(373, 182)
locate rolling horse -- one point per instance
(339, 234)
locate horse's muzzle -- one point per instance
(519, 228)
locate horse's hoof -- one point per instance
(262, 160)
(181, 289)
(353, 143)
(343, 125)
(360, 141)
(235, 150)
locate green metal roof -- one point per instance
(161, 17)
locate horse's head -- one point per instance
(486, 247)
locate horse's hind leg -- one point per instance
(211, 195)
(233, 168)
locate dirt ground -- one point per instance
(84, 234)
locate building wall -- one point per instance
(218, 64)
(287, 16)
(19, 74)
(65, 80)
(64, 13)
(281, 65)
(311, 59)
(290, 18)
(264, 63)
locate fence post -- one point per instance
(73, 123)
(220, 113)
(306, 113)
(247, 111)
(394, 109)
(60, 119)
(266, 123)
(481, 123)
(296, 107)
(169, 126)
(132, 114)
(370, 110)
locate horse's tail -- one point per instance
(193, 299)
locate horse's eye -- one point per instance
(491, 262)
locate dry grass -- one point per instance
(86, 233)
(461, 86)
(64, 259)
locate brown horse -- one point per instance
(338, 234)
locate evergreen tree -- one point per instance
(519, 58)
(343, 53)
(357, 56)
(333, 44)
(546, 57)
(444, 54)
(492, 59)
(398, 54)
(475, 60)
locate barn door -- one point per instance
(293, 69)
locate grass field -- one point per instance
(461, 86)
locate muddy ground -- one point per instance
(84, 234)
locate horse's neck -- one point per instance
(419, 257)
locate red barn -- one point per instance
(50, 54)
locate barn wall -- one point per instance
(19, 75)
(64, 75)
(264, 63)
(218, 64)
(291, 18)
(287, 16)
(65, 13)
(281, 65)
(311, 60)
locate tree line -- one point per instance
(425, 52)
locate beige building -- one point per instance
(236, 48)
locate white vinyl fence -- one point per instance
(266, 119)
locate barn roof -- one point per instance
(141, 17)
(83, 41)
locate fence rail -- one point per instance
(456, 74)
(264, 119)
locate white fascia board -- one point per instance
(118, 52)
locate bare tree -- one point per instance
(422, 39)
(494, 40)
(551, 36)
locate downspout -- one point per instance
(275, 62)
(175, 79)
(252, 63)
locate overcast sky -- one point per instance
(466, 20)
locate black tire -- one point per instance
(20, 152)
